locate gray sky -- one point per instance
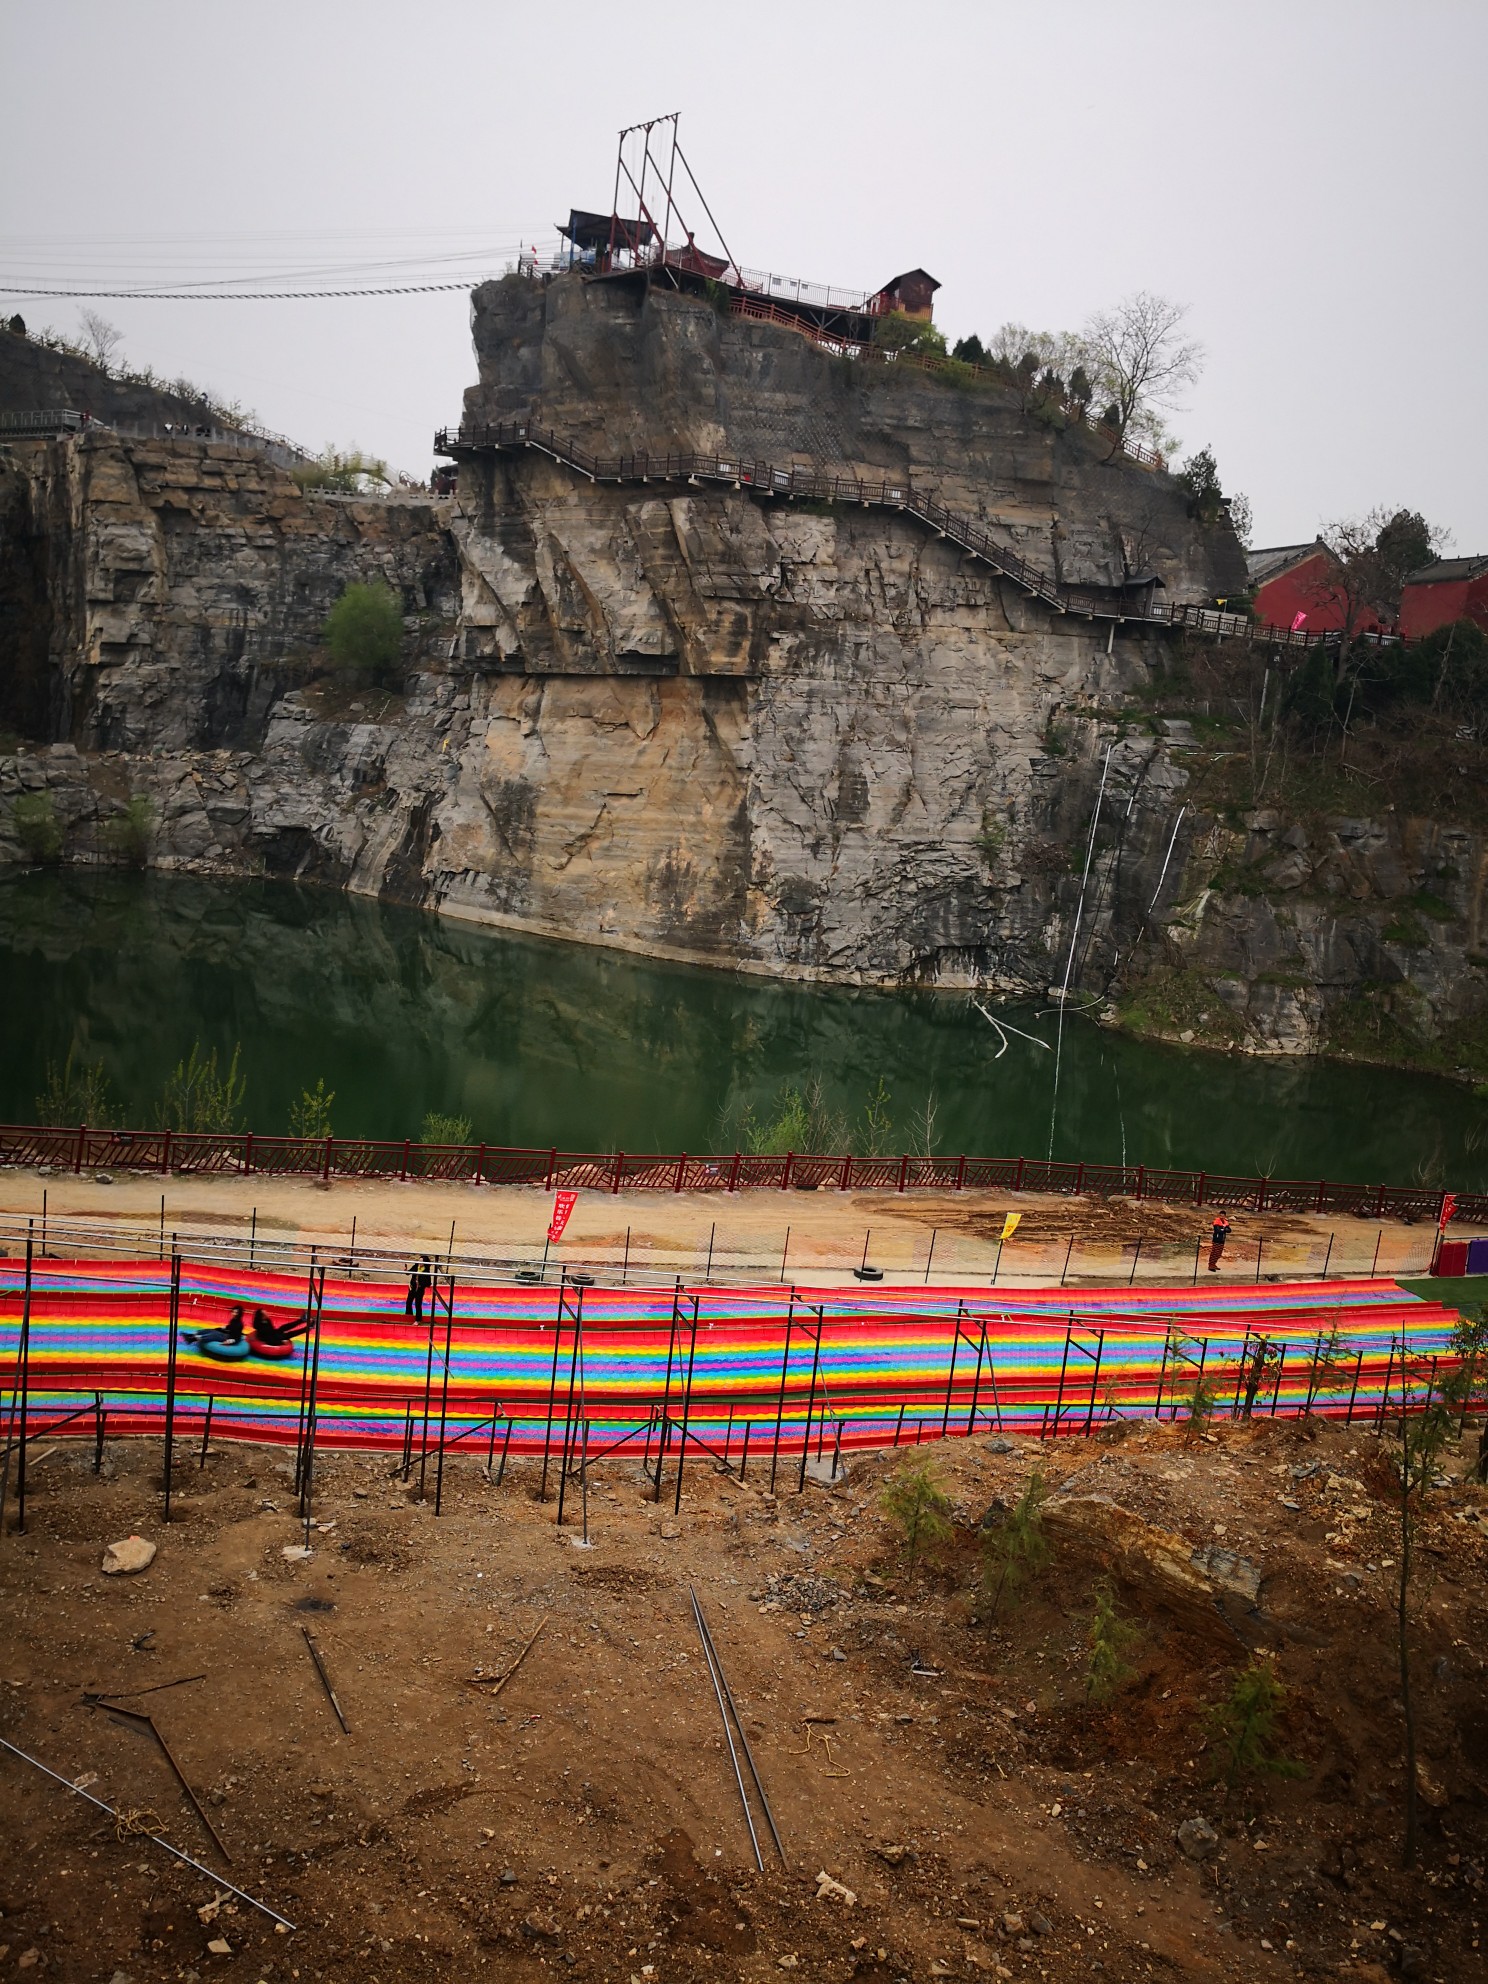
(1308, 176)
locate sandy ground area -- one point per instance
(812, 1238)
(939, 1759)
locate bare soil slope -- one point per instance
(951, 1774)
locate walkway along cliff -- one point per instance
(794, 728)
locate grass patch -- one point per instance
(1180, 1001)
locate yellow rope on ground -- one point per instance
(141, 1823)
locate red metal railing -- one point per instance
(832, 486)
(82, 1149)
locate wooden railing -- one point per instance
(249, 1153)
(839, 486)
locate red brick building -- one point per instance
(1294, 588)
(1447, 590)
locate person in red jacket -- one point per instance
(1218, 1234)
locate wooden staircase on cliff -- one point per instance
(1134, 602)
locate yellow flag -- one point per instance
(1010, 1225)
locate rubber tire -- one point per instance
(260, 1349)
(226, 1353)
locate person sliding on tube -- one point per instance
(278, 1334)
(231, 1332)
(1218, 1234)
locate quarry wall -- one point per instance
(793, 738)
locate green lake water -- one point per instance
(544, 1043)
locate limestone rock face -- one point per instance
(797, 738)
(624, 369)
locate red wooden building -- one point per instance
(910, 295)
(1447, 590)
(1294, 588)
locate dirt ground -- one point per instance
(819, 1237)
(987, 1818)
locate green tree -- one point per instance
(1108, 1638)
(441, 1129)
(129, 832)
(1137, 355)
(803, 1121)
(898, 332)
(1329, 1368)
(310, 1112)
(340, 472)
(76, 1092)
(1196, 1399)
(876, 1133)
(918, 1507)
(1467, 1388)
(970, 351)
(1015, 1550)
(1424, 1428)
(364, 631)
(34, 821)
(1243, 1726)
(199, 1095)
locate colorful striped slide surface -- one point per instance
(839, 1367)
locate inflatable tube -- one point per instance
(225, 1353)
(261, 1349)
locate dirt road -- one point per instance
(808, 1237)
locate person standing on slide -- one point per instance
(1218, 1234)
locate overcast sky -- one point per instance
(1309, 177)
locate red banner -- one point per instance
(563, 1205)
(1448, 1211)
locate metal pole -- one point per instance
(783, 1252)
(428, 1394)
(154, 1837)
(1136, 1256)
(1328, 1256)
(19, 1396)
(708, 1271)
(307, 1468)
(780, 1407)
(625, 1264)
(170, 1374)
(206, 1436)
(305, 1396)
(542, 1493)
(1374, 1264)
(945, 1417)
(568, 1406)
(976, 1384)
(666, 1396)
(449, 1324)
(931, 1255)
(810, 1403)
(686, 1408)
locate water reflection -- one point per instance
(542, 1043)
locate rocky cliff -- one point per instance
(803, 738)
